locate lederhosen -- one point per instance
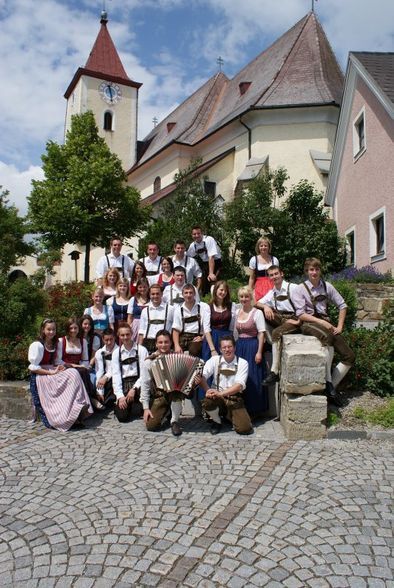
(120, 270)
(282, 327)
(76, 358)
(204, 265)
(177, 300)
(47, 359)
(324, 335)
(123, 414)
(232, 402)
(186, 339)
(106, 356)
(148, 342)
(153, 272)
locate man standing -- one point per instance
(191, 323)
(154, 317)
(279, 312)
(311, 300)
(122, 263)
(229, 374)
(205, 249)
(152, 261)
(193, 270)
(127, 363)
(173, 293)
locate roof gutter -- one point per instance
(249, 136)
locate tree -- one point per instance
(187, 206)
(13, 247)
(83, 198)
(298, 228)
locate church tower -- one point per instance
(103, 87)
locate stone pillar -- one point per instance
(303, 372)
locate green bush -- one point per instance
(13, 357)
(348, 292)
(21, 305)
(67, 300)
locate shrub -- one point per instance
(67, 300)
(348, 291)
(363, 274)
(13, 357)
(21, 305)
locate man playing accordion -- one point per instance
(224, 396)
(157, 393)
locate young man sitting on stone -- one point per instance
(224, 396)
(103, 363)
(279, 312)
(311, 300)
(155, 401)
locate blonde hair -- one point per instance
(98, 290)
(263, 240)
(124, 281)
(111, 270)
(246, 290)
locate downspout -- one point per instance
(249, 137)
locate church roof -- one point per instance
(299, 69)
(103, 61)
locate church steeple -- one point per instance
(104, 87)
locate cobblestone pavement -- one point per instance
(113, 505)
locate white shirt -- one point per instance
(172, 293)
(260, 265)
(152, 265)
(73, 349)
(102, 264)
(238, 365)
(128, 370)
(193, 270)
(35, 355)
(102, 362)
(207, 242)
(258, 319)
(205, 314)
(281, 305)
(156, 313)
(101, 316)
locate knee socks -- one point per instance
(176, 409)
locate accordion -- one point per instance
(176, 372)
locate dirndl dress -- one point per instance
(255, 395)
(263, 284)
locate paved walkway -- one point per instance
(113, 505)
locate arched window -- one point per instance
(108, 121)
(157, 184)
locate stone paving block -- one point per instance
(304, 417)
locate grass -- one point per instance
(383, 416)
(333, 419)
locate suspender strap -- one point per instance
(192, 319)
(121, 364)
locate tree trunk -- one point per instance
(87, 261)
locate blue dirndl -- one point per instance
(36, 400)
(255, 396)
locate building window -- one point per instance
(108, 121)
(157, 184)
(351, 246)
(359, 139)
(210, 188)
(377, 234)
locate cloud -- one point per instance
(18, 183)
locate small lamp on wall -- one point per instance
(75, 255)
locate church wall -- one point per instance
(365, 183)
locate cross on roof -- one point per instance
(220, 62)
(155, 121)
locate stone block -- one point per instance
(303, 365)
(372, 304)
(304, 417)
(15, 400)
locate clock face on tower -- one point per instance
(110, 92)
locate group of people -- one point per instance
(146, 314)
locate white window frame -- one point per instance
(374, 254)
(348, 232)
(357, 152)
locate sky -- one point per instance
(171, 46)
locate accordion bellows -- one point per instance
(176, 372)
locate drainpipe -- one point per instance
(249, 137)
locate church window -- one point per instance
(359, 139)
(210, 188)
(244, 87)
(108, 121)
(157, 184)
(377, 234)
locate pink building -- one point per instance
(361, 181)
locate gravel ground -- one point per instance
(352, 400)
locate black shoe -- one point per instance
(216, 428)
(331, 394)
(271, 379)
(176, 429)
